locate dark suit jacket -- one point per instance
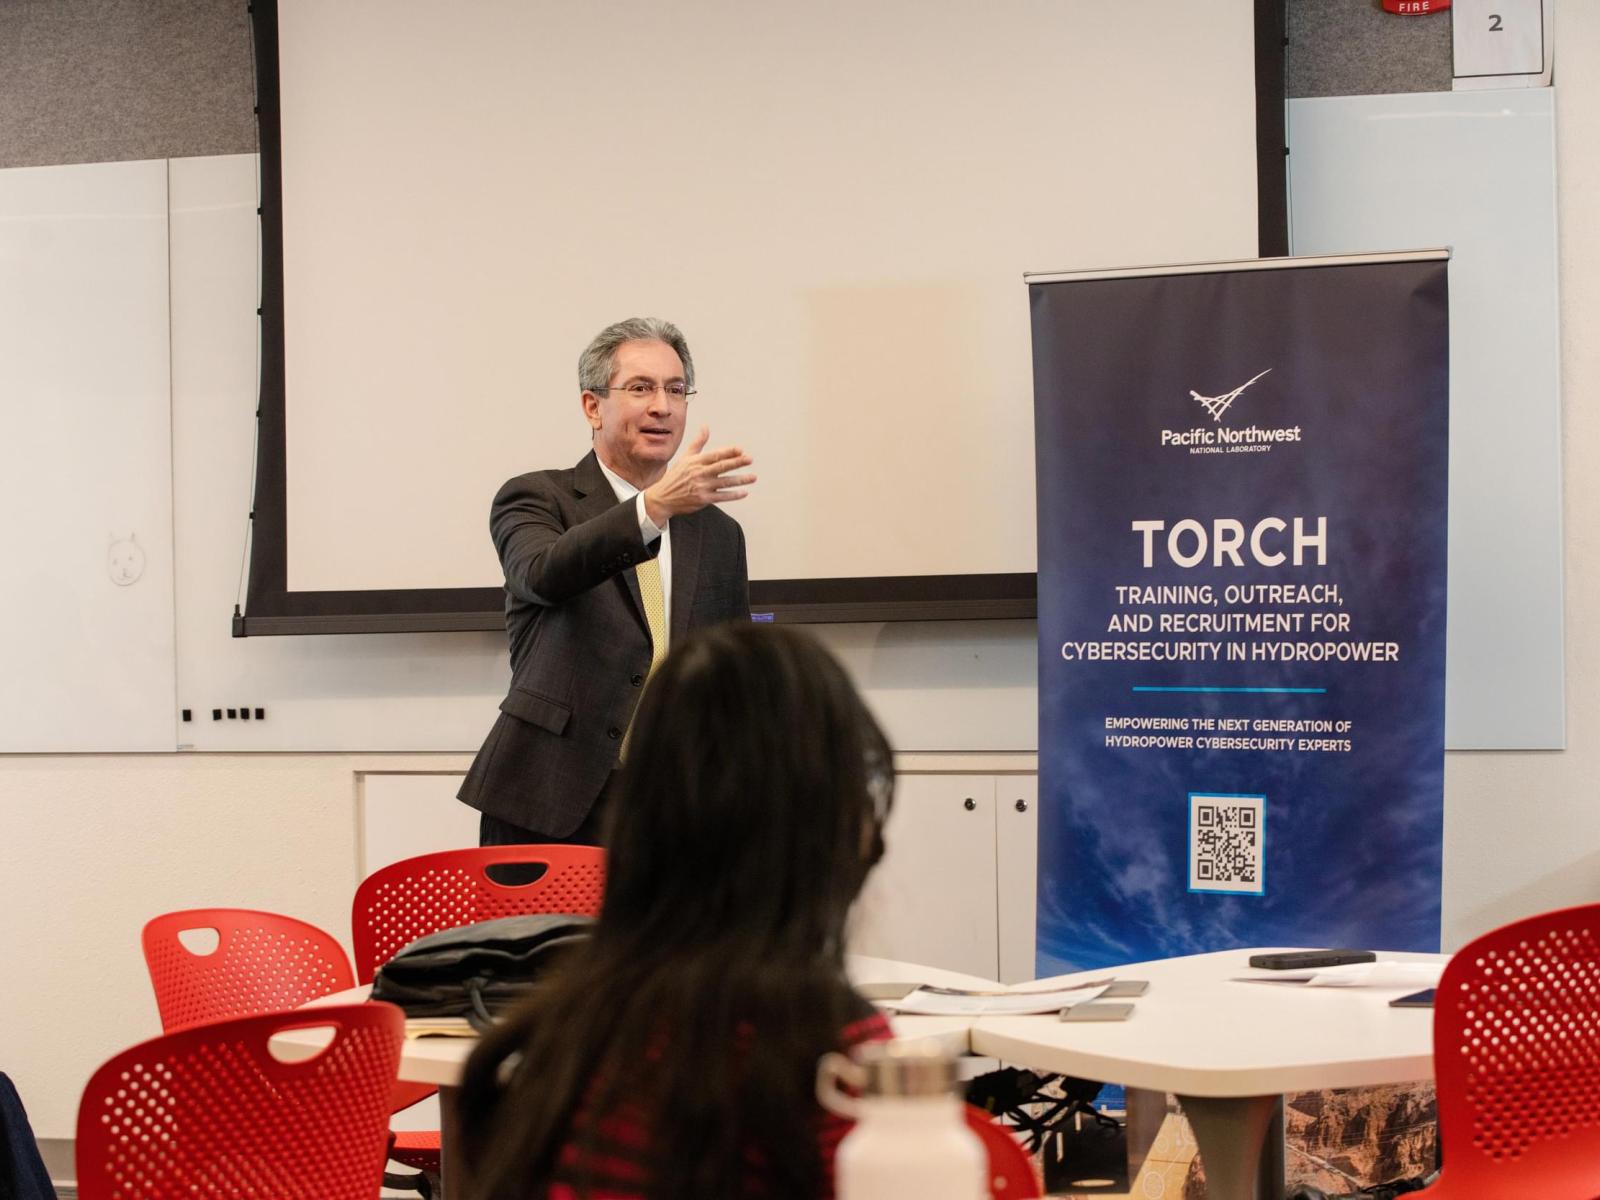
(22, 1172)
(580, 645)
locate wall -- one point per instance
(91, 845)
(1522, 831)
(114, 80)
(1355, 48)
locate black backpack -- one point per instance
(478, 971)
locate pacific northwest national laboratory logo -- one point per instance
(1217, 405)
(1219, 438)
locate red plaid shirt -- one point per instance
(618, 1168)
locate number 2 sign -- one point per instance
(1500, 43)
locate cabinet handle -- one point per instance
(1022, 806)
(969, 804)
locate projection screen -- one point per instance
(835, 201)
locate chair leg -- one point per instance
(413, 1181)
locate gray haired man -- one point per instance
(605, 564)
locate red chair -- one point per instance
(412, 898)
(1011, 1174)
(1516, 1055)
(208, 1112)
(418, 896)
(262, 961)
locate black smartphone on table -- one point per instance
(1422, 999)
(1309, 960)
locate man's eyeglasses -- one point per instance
(639, 390)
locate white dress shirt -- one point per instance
(649, 530)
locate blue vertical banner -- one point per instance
(1242, 484)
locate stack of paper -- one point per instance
(930, 1001)
(421, 1027)
(1380, 974)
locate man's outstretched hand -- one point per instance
(698, 478)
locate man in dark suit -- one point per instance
(605, 564)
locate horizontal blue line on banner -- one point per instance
(1292, 691)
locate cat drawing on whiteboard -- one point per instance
(125, 560)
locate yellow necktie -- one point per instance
(648, 574)
(655, 608)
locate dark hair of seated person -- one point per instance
(750, 811)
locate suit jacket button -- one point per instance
(638, 681)
(613, 733)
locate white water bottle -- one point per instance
(911, 1140)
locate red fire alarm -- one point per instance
(1415, 8)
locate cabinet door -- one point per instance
(1016, 820)
(406, 814)
(932, 898)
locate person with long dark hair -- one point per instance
(673, 1055)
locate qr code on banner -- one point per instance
(1226, 840)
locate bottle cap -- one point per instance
(906, 1067)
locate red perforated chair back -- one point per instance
(418, 896)
(1011, 1174)
(208, 1113)
(262, 961)
(1516, 1053)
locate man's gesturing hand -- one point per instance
(699, 478)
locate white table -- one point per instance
(1229, 1050)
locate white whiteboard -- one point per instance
(834, 200)
(1474, 171)
(85, 463)
(938, 687)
